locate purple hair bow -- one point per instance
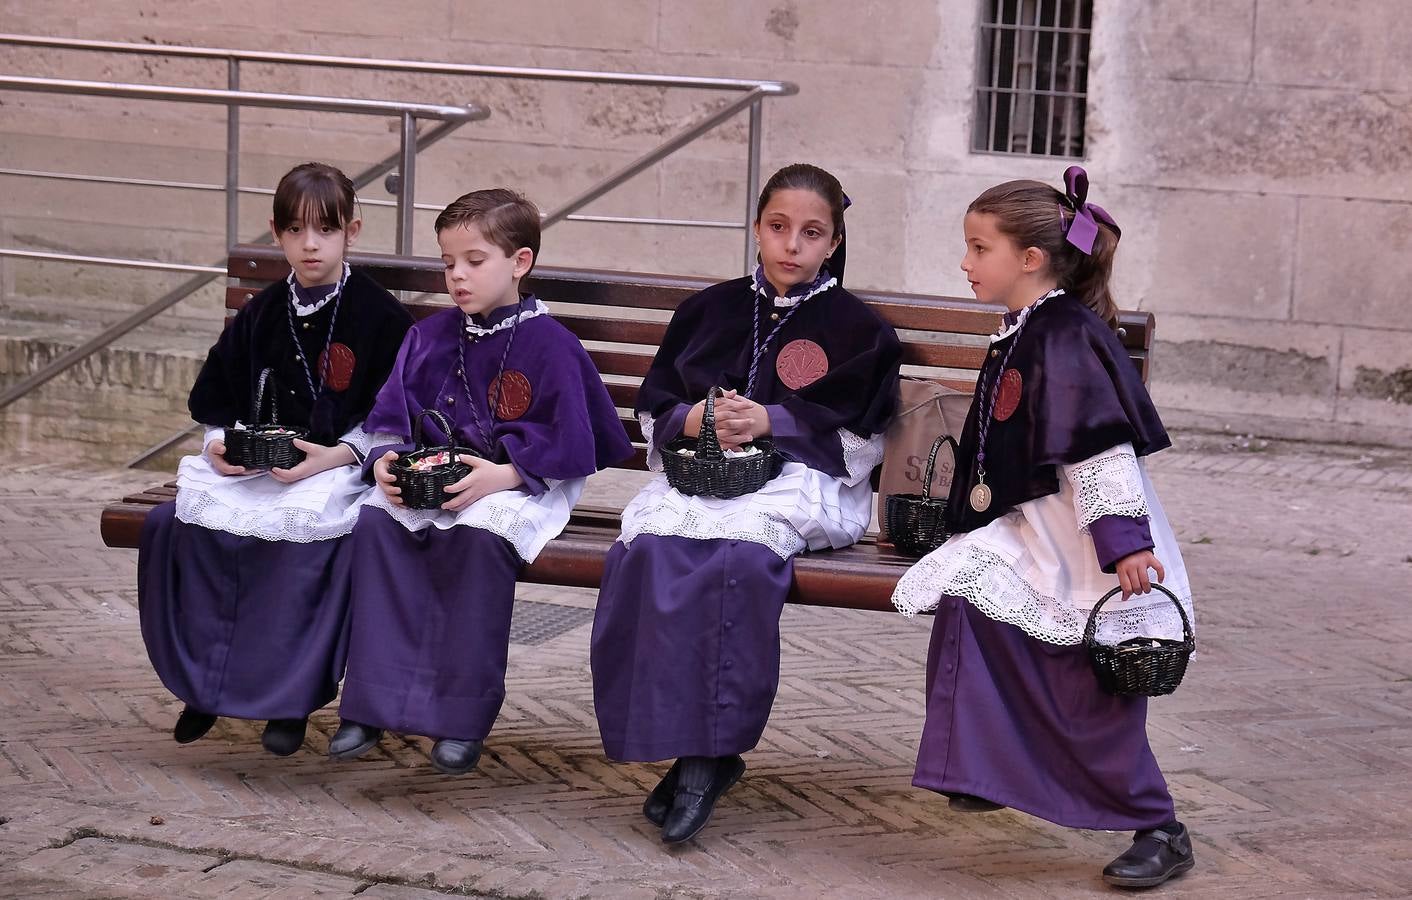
(1083, 230)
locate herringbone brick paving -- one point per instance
(1288, 749)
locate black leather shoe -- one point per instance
(1154, 857)
(972, 803)
(452, 757)
(192, 725)
(352, 740)
(283, 737)
(659, 802)
(692, 807)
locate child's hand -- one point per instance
(216, 455)
(739, 420)
(317, 458)
(386, 480)
(485, 479)
(1132, 572)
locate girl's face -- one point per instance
(795, 234)
(999, 270)
(315, 250)
(479, 275)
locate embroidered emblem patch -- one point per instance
(801, 363)
(515, 396)
(336, 365)
(1007, 396)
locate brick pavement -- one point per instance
(1288, 749)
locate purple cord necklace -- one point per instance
(499, 380)
(981, 494)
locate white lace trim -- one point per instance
(1007, 330)
(1108, 484)
(756, 526)
(333, 295)
(654, 455)
(212, 435)
(539, 309)
(860, 454)
(991, 584)
(527, 521)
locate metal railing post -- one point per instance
(752, 182)
(233, 159)
(406, 186)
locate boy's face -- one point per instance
(479, 275)
(315, 250)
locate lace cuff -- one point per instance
(359, 441)
(654, 456)
(1108, 484)
(212, 434)
(860, 455)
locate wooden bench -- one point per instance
(621, 317)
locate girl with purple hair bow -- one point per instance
(1050, 508)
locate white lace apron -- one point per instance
(317, 508)
(1036, 568)
(801, 507)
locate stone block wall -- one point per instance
(1254, 150)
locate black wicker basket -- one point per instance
(1144, 666)
(708, 472)
(916, 522)
(425, 488)
(264, 445)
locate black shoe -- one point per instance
(692, 806)
(352, 740)
(283, 737)
(192, 725)
(659, 802)
(1154, 857)
(452, 757)
(972, 803)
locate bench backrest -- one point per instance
(621, 317)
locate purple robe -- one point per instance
(567, 428)
(685, 652)
(241, 626)
(431, 608)
(1024, 723)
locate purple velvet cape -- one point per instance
(1081, 395)
(708, 344)
(569, 430)
(370, 322)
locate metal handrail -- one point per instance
(185, 289)
(176, 93)
(362, 201)
(777, 88)
(757, 89)
(754, 92)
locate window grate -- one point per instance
(1032, 78)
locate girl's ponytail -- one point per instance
(1089, 281)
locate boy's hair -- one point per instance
(506, 218)
(316, 194)
(1033, 214)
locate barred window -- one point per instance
(1032, 78)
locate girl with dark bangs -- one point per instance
(243, 580)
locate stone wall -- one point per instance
(1255, 151)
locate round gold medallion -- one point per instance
(980, 497)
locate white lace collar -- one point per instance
(538, 309)
(1007, 329)
(764, 289)
(302, 310)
